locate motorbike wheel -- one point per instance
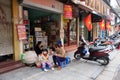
(77, 55)
(105, 61)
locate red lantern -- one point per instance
(67, 11)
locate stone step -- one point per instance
(8, 66)
(4, 63)
(70, 48)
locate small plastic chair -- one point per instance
(64, 63)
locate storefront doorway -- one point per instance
(70, 32)
(38, 21)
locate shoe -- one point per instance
(45, 70)
(59, 68)
(52, 69)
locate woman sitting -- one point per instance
(59, 56)
(39, 48)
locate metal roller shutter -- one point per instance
(6, 45)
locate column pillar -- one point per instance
(16, 45)
(21, 22)
(61, 29)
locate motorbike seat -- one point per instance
(96, 49)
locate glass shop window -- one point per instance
(72, 30)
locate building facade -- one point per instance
(37, 16)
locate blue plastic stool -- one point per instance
(64, 63)
(68, 60)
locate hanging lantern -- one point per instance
(67, 11)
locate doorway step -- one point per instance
(10, 65)
(70, 48)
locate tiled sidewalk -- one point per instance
(76, 70)
(110, 71)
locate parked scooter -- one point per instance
(98, 54)
(104, 42)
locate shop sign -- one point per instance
(67, 11)
(21, 31)
(51, 5)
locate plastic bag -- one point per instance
(23, 57)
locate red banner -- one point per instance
(88, 23)
(108, 26)
(102, 25)
(67, 11)
(21, 31)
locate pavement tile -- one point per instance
(108, 73)
(103, 77)
(112, 69)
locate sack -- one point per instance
(30, 57)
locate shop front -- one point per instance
(70, 26)
(70, 33)
(40, 17)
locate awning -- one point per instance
(96, 17)
(56, 6)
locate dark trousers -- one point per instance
(57, 60)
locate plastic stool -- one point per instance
(63, 63)
(68, 60)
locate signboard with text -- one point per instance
(21, 31)
(67, 11)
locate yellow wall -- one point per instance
(15, 12)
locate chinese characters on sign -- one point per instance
(21, 31)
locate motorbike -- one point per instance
(98, 54)
(104, 42)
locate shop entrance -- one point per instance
(39, 21)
